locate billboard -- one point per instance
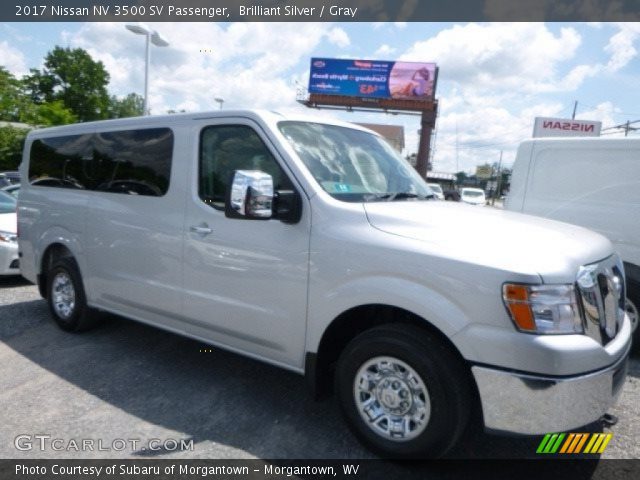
(484, 171)
(564, 127)
(373, 78)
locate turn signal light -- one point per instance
(516, 298)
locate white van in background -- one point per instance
(591, 182)
(473, 196)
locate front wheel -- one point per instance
(403, 392)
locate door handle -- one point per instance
(201, 229)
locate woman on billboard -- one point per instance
(407, 81)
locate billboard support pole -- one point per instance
(427, 123)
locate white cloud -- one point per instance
(384, 50)
(621, 46)
(338, 37)
(12, 59)
(520, 57)
(491, 81)
(474, 136)
(247, 64)
(390, 25)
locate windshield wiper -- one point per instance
(390, 197)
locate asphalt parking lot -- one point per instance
(125, 381)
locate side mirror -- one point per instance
(250, 195)
(288, 206)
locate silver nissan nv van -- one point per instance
(312, 245)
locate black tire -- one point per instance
(442, 372)
(80, 316)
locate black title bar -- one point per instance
(318, 10)
(353, 469)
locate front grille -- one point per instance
(601, 289)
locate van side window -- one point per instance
(224, 149)
(133, 162)
(61, 161)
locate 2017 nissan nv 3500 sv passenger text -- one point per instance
(314, 246)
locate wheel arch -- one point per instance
(51, 254)
(320, 365)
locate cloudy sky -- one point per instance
(494, 78)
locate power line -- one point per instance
(624, 126)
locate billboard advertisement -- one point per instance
(373, 78)
(565, 127)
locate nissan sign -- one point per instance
(563, 127)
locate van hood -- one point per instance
(8, 222)
(491, 237)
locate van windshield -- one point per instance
(353, 165)
(473, 193)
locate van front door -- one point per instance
(245, 281)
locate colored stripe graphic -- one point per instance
(550, 443)
(594, 437)
(596, 443)
(582, 442)
(569, 441)
(543, 443)
(605, 442)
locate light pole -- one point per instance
(220, 101)
(155, 38)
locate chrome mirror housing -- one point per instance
(250, 195)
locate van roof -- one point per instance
(266, 116)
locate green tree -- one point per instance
(11, 143)
(461, 178)
(14, 103)
(73, 77)
(130, 106)
(53, 113)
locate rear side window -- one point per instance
(224, 149)
(132, 162)
(61, 162)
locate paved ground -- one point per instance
(129, 381)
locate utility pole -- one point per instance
(575, 107)
(498, 180)
(427, 124)
(457, 163)
(626, 129)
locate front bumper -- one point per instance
(9, 259)
(533, 404)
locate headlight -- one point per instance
(8, 237)
(543, 308)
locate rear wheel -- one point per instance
(403, 392)
(66, 297)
